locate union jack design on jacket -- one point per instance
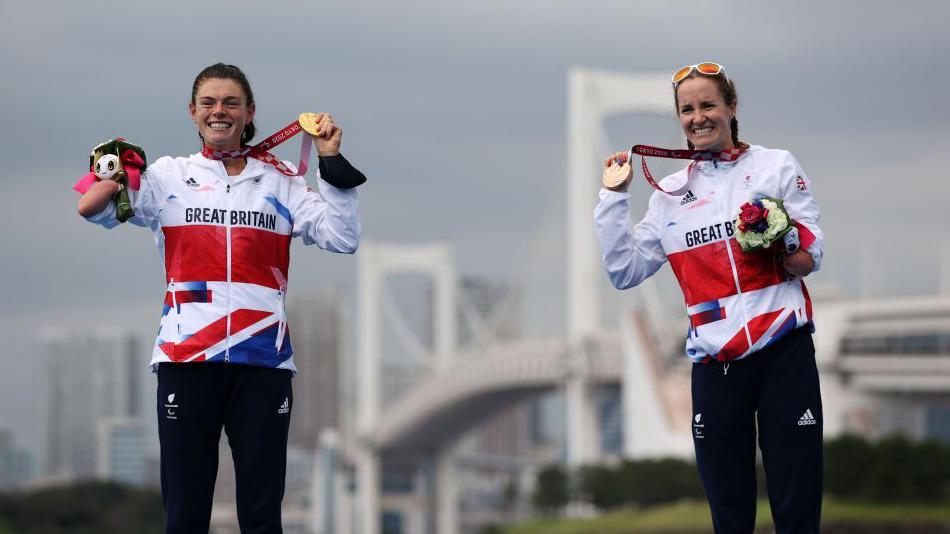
(737, 302)
(225, 242)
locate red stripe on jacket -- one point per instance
(196, 253)
(739, 343)
(211, 334)
(255, 252)
(199, 253)
(704, 273)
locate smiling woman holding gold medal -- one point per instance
(739, 228)
(223, 219)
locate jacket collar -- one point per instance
(253, 169)
(709, 166)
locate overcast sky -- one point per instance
(456, 113)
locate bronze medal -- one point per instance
(615, 175)
(308, 121)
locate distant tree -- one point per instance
(930, 470)
(601, 486)
(894, 469)
(552, 492)
(889, 475)
(848, 459)
(649, 482)
(83, 508)
(509, 498)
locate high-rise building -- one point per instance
(317, 326)
(15, 463)
(122, 454)
(84, 377)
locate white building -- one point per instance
(884, 366)
(85, 377)
(316, 322)
(122, 451)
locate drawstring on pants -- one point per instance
(725, 368)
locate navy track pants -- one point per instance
(252, 404)
(777, 389)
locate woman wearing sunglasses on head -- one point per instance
(750, 317)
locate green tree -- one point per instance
(847, 461)
(889, 475)
(894, 469)
(83, 508)
(649, 482)
(553, 489)
(601, 486)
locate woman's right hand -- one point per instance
(615, 168)
(97, 197)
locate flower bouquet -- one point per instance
(762, 222)
(120, 161)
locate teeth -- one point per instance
(219, 126)
(702, 130)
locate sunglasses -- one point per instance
(709, 69)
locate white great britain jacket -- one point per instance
(225, 242)
(737, 302)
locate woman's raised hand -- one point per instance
(329, 135)
(617, 172)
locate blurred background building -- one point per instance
(95, 408)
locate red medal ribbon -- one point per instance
(731, 154)
(259, 151)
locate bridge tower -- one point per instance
(592, 96)
(376, 262)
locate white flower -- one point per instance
(750, 240)
(776, 218)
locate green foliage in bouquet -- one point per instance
(123, 152)
(762, 222)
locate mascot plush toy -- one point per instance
(120, 161)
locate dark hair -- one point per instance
(230, 72)
(727, 88)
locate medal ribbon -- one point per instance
(259, 151)
(731, 154)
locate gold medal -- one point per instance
(615, 175)
(308, 121)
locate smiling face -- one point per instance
(221, 110)
(704, 114)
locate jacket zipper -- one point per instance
(735, 279)
(281, 319)
(227, 209)
(171, 288)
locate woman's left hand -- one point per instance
(329, 135)
(798, 264)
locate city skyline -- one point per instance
(462, 136)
